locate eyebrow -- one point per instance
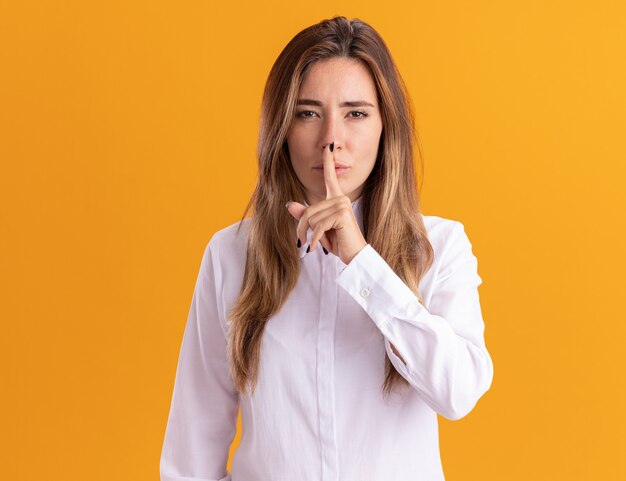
(348, 103)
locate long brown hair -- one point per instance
(392, 224)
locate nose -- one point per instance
(332, 131)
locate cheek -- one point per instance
(297, 145)
(294, 149)
(368, 135)
(367, 142)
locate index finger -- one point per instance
(330, 176)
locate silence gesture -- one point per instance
(332, 220)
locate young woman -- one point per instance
(338, 317)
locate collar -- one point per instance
(357, 208)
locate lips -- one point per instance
(340, 170)
(338, 165)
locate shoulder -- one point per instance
(442, 232)
(230, 239)
(226, 249)
(452, 247)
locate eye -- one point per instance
(306, 114)
(303, 112)
(362, 114)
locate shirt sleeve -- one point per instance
(443, 347)
(203, 413)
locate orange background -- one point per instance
(127, 137)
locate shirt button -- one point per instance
(365, 292)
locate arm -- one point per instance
(441, 351)
(203, 413)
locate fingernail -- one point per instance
(299, 244)
(308, 248)
(289, 202)
(332, 146)
(325, 251)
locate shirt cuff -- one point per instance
(375, 286)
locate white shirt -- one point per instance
(317, 413)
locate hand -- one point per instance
(332, 219)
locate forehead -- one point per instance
(338, 77)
